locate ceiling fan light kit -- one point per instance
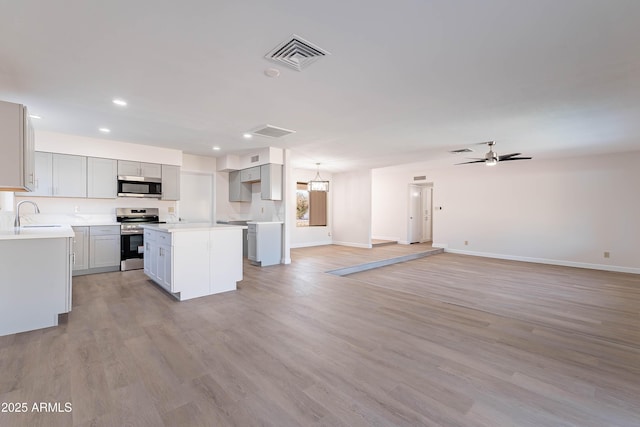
(492, 158)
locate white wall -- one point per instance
(352, 208)
(107, 148)
(191, 163)
(310, 236)
(559, 211)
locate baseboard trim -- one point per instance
(309, 244)
(563, 263)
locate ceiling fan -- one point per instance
(492, 158)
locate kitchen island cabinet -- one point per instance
(36, 277)
(193, 260)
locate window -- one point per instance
(311, 207)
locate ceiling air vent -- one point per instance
(255, 159)
(296, 53)
(272, 131)
(420, 178)
(462, 150)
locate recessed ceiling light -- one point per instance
(120, 102)
(104, 130)
(247, 135)
(216, 148)
(34, 116)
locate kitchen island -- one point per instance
(35, 277)
(193, 260)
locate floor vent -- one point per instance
(272, 131)
(296, 53)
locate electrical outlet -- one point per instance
(329, 234)
(76, 209)
(466, 242)
(607, 254)
(172, 209)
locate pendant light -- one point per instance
(317, 183)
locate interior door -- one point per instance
(415, 214)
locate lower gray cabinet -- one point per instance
(104, 249)
(80, 249)
(96, 249)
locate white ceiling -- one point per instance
(405, 81)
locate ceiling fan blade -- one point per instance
(506, 156)
(516, 158)
(473, 161)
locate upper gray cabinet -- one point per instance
(59, 175)
(271, 182)
(170, 182)
(269, 176)
(69, 175)
(238, 191)
(43, 173)
(250, 174)
(102, 178)
(17, 141)
(147, 170)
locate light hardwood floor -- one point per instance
(447, 340)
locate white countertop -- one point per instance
(37, 233)
(177, 227)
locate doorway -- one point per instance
(420, 220)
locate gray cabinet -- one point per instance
(264, 241)
(43, 175)
(69, 175)
(170, 182)
(147, 170)
(157, 258)
(250, 174)
(17, 140)
(238, 191)
(80, 249)
(102, 178)
(104, 247)
(271, 182)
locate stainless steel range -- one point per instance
(132, 235)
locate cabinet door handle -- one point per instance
(74, 258)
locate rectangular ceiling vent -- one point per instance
(255, 159)
(296, 53)
(272, 131)
(420, 178)
(462, 150)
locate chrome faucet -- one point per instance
(16, 224)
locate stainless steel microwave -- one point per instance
(136, 186)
